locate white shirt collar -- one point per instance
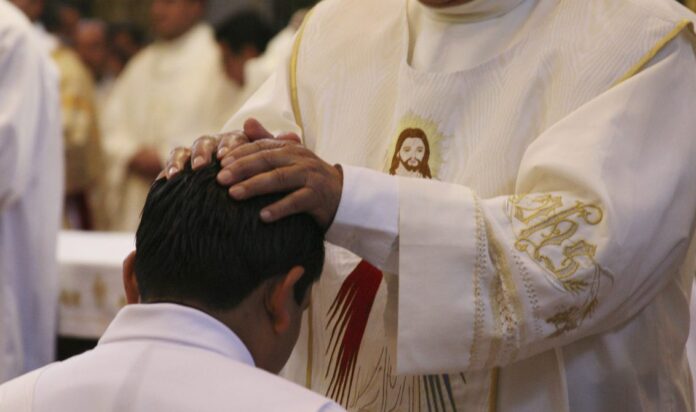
(178, 324)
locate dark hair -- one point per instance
(197, 244)
(128, 28)
(244, 28)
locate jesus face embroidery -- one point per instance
(411, 155)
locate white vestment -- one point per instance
(161, 357)
(546, 265)
(167, 93)
(31, 195)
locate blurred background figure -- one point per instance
(92, 45)
(69, 14)
(125, 41)
(242, 37)
(31, 189)
(173, 89)
(83, 155)
(251, 53)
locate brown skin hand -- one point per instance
(272, 166)
(255, 163)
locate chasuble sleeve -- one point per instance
(26, 107)
(600, 221)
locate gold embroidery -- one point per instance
(493, 392)
(479, 270)
(99, 291)
(416, 129)
(505, 305)
(549, 229)
(70, 298)
(554, 230)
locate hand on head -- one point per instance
(255, 162)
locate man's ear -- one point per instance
(280, 299)
(130, 282)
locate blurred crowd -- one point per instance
(130, 94)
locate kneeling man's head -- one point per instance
(198, 247)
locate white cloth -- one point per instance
(552, 241)
(259, 69)
(691, 341)
(455, 38)
(165, 357)
(168, 94)
(91, 280)
(31, 186)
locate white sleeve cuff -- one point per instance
(440, 233)
(367, 218)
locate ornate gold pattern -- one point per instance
(550, 237)
(479, 269)
(505, 304)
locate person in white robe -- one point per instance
(196, 335)
(169, 91)
(258, 69)
(30, 197)
(546, 264)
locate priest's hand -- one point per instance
(255, 163)
(201, 153)
(282, 165)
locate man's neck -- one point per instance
(475, 10)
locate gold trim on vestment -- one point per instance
(684, 24)
(493, 392)
(294, 100)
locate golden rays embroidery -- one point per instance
(551, 236)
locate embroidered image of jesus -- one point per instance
(411, 155)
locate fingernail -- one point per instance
(172, 171)
(225, 177)
(222, 152)
(266, 215)
(237, 192)
(227, 161)
(197, 162)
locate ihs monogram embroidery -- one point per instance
(551, 234)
